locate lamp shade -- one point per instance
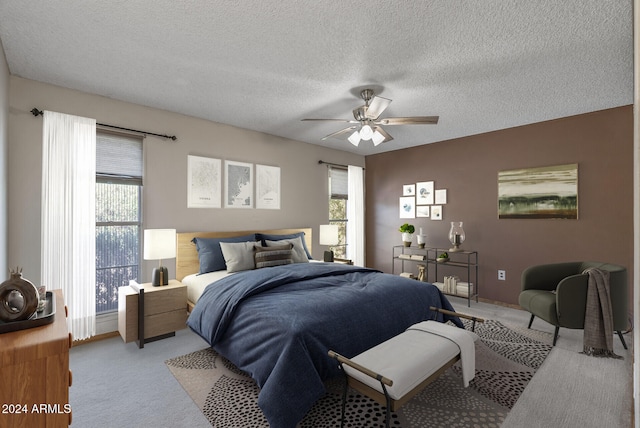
(329, 234)
(366, 132)
(354, 138)
(159, 244)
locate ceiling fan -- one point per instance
(367, 124)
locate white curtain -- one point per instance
(68, 216)
(355, 215)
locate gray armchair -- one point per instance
(557, 293)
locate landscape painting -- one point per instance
(539, 193)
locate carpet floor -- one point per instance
(506, 361)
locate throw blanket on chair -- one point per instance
(598, 317)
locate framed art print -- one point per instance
(424, 193)
(204, 182)
(238, 177)
(267, 187)
(407, 207)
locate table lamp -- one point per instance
(159, 244)
(329, 236)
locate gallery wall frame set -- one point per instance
(422, 200)
(206, 178)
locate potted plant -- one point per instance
(407, 233)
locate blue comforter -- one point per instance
(278, 323)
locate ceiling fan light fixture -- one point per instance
(377, 138)
(366, 132)
(354, 138)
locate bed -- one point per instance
(277, 323)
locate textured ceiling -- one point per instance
(266, 64)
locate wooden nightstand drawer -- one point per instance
(167, 322)
(165, 301)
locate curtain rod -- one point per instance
(320, 162)
(37, 113)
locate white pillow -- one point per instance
(298, 252)
(238, 256)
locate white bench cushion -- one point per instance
(407, 359)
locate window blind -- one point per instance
(118, 156)
(338, 183)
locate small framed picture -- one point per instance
(436, 212)
(441, 196)
(424, 193)
(422, 211)
(409, 190)
(407, 207)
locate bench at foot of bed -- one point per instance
(394, 371)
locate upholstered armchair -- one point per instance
(557, 293)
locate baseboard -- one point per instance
(95, 338)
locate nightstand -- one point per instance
(147, 313)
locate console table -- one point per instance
(464, 263)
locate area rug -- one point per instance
(506, 360)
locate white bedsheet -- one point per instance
(197, 283)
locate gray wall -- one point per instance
(4, 173)
(304, 200)
(601, 143)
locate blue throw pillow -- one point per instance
(262, 237)
(210, 253)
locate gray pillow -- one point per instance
(238, 256)
(298, 253)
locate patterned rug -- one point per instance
(506, 360)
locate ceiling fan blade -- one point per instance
(377, 106)
(329, 120)
(341, 133)
(416, 120)
(387, 137)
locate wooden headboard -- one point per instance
(187, 256)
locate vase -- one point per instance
(421, 239)
(456, 236)
(407, 238)
(19, 298)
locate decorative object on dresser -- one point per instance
(159, 244)
(329, 235)
(146, 314)
(19, 298)
(35, 372)
(456, 236)
(407, 231)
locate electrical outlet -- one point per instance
(502, 275)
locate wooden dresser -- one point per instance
(34, 374)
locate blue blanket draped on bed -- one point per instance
(278, 323)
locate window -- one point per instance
(118, 215)
(338, 192)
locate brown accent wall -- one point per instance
(601, 143)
